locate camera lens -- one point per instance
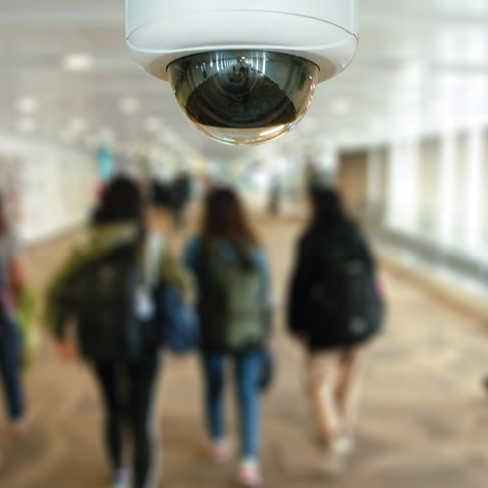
(242, 97)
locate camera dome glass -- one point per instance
(243, 98)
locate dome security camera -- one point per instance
(243, 72)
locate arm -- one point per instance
(16, 280)
(265, 279)
(267, 304)
(298, 288)
(175, 274)
(192, 253)
(60, 295)
(365, 252)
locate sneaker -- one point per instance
(334, 464)
(219, 452)
(122, 478)
(249, 476)
(345, 445)
(20, 427)
(335, 456)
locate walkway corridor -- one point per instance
(424, 422)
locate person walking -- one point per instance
(106, 286)
(12, 285)
(233, 303)
(334, 309)
(182, 188)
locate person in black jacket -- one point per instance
(126, 366)
(316, 318)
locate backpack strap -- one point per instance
(152, 254)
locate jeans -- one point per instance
(11, 366)
(128, 392)
(247, 372)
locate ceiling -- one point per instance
(422, 67)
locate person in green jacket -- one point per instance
(128, 386)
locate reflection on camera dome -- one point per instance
(243, 98)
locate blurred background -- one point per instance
(403, 133)
(404, 129)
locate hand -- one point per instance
(67, 350)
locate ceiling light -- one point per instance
(78, 62)
(412, 68)
(78, 124)
(27, 105)
(129, 105)
(342, 106)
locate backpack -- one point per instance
(231, 313)
(114, 309)
(177, 323)
(344, 300)
(180, 331)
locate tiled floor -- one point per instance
(424, 420)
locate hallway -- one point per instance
(424, 421)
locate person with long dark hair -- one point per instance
(12, 283)
(333, 310)
(104, 285)
(234, 297)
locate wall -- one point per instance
(352, 180)
(50, 188)
(436, 201)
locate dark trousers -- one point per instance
(10, 367)
(128, 391)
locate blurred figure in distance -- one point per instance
(182, 194)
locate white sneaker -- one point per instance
(220, 452)
(334, 464)
(345, 445)
(335, 461)
(249, 475)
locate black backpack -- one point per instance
(344, 299)
(109, 324)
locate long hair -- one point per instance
(328, 208)
(122, 201)
(226, 218)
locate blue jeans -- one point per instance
(10, 367)
(247, 370)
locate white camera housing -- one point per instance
(267, 41)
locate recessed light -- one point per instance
(27, 105)
(129, 105)
(342, 106)
(78, 124)
(412, 67)
(78, 62)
